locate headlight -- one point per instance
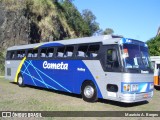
(134, 87)
(130, 87)
(126, 87)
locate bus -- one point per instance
(155, 60)
(108, 67)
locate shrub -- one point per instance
(2, 63)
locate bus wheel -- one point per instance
(89, 92)
(157, 87)
(20, 81)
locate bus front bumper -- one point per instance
(131, 98)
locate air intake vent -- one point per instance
(9, 71)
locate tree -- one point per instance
(108, 31)
(75, 20)
(154, 46)
(90, 19)
(63, 0)
(2, 61)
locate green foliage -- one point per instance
(90, 19)
(57, 19)
(108, 31)
(54, 19)
(13, 5)
(154, 46)
(2, 62)
(40, 7)
(75, 20)
(43, 14)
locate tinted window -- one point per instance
(43, 52)
(32, 53)
(112, 59)
(68, 51)
(50, 52)
(12, 55)
(8, 56)
(93, 51)
(20, 54)
(82, 51)
(60, 52)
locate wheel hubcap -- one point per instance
(20, 80)
(89, 91)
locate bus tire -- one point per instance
(89, 91)
(20, 81)
(157, 87)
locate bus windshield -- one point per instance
(136, 56)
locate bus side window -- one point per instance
(43, 53)
(20, 54)
(82, 51)
(60, 52)
(12, 55)
(158, 66)
(35, 53)
(69, 51)
(32, 54)
(93, 51)
(8, 55)
(29, 55)
(50, 52)
(112, 59)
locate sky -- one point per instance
(137, 19)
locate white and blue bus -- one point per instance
(107, 67)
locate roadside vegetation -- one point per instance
(54, 19)
(51, 20)
(2, 64)
(154, 46)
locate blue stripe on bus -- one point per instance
(132, 41)
(51, 44)
(67, 79)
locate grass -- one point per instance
(13, 97)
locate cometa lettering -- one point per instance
(61, 65)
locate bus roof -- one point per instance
(104, 39)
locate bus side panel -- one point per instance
(37, 73)
(103, 79)
(83, 73)
(68, 76)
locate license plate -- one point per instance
(145, 96)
